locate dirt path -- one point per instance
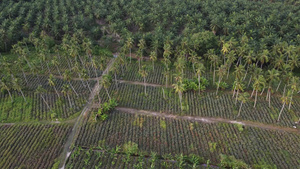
(73, 135)
(209, 119)
(6, 124)
(142, 83)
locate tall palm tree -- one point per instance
(40, 90)
(66, 91)
(179, 88)
(263, 57)
(200, 69)
(115, 69)
(259, 84)
(67, 77)
(106, 82)
(272, 77)
(243, 98)
(142, 46)
(143, 72)
(294, 85)
(180, 64)
(129, 45)
(193, 58)
(221, 73)
(284, 101)
(51, 82)
(16, 86)
(153, 58)
(5, 84)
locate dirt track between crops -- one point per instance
(67, 151)
(142, 83)
(209, 119)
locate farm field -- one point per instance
(173, 136)
(205, 105)
(31, 146)
(90, 84)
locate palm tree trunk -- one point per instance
(107, 93)
(73, 89)
(45, 102)
(237, 95)
(164, 93)
(48, 67)
(10, 96)
(249, 81)
(145, 85)
(214, 74)
(281, 111)
(278, 86)
(58, 70)
(233, 92)
(291, 100)
(116, 82)
(199, 83)
(69, 100)
(252, 93)
(56, 91)
(193, 67)
(240, 110)
(270, 99)
(180, 99)
(130, 55)
(262, 91)
(23, 95)
(255, 98)
(25, 76)
(228, 71)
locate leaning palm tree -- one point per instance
(5, 85)
(143, 72)
(106, 82)
(51, 82)
(259, 84)
(294, 85)
(67, 77)
(142, 46)
(284, 101)
(16, 86)
(66, 91)
(243, 98)
(40, 90)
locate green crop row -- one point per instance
(174, 136)
(206, 105)
(31, 146)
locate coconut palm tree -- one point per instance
(153, 58)
(40, 90)
(143, 72)
(294, 85)
(16, 86)
(179, 88)
(5, 84)
(200, 69)
(142, 46)
(284, 101)
(129, 45)
(243, 98)
(273, 76)
(106, 82)
(180, 64)
(194, 58)
(51, 82)
(259, 84)
(66, 92)
(263, 57)
(115, 69)
(221, 73)
(67, 77)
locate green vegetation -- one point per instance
(187, 64)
